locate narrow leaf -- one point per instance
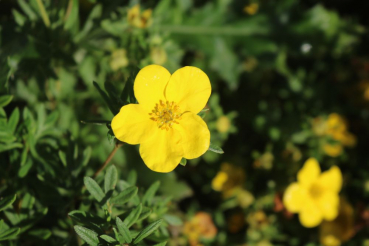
(123, 230)
(9, 234)
(94, 189)
(124, 196)
(7, 201)
(111, 178)
(71, 16)
(96, 122)
(5, 100)
(160, 244)
(150, 193)
(108, 239)
(133, 216)
(144, 213)
(107, 100)
(215, 149)
(13, 120)
(147, 231)
(87, 235)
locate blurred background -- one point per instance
(282, 73)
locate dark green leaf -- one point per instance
(87, 235)
(7, 201)
(23, 171)
(128, 95)
(123, 230)
(63, 158)
(96, 122)
(107, 100)
(144, 213)
(133, 216)
(94, 189)
(124, 196)
(111, 178)
(150, 193)
(42, 234)
(147, 231)
(215, 149)
(9, 234)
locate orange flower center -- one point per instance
(166, 114)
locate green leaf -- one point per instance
(27, 10)
(132, 177)
(150, 193)
(148, 230)
(133, 216)
(144, 213)
(63, 158)
(19, 18)
(111, 178)
(86, 156)
(85, 217)
(215, 149)
(87, 235)
(13, 120)
(9, 234)
(123, 230)
(94, 189)
(71, 15)
(107, 100)
(23, 171)
(128, 95)
(96, 122)
(183, 162)
(7, 201)
(172, 220)
(42, 234)
(108, 239)
(161, 244)
(202, 113)
(124, 196)
(5, 100)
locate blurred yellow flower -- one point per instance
(165, 122)
(201, 226)
(223, 124)
(138, 19)
(228, 179)
(333, 150)
(158, 55)
(251, 9)
(118, 59)
(264, 161)
(333, 233)
(334, 127)
(315, 195)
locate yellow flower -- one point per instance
(223, 124)
(118, 59)
(251, 9)
(165, 122)
(228, 179)
(315, 195)
(333, 150)
(138, 19)
(201, 226)
(333, 233)
(158, 55)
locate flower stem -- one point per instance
(117, 146)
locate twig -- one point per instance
(117, 146)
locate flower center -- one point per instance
(316, 191)
(165, 114)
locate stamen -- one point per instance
(165, 114)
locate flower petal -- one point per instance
(309, 172)
(150, 84)
(164, 152)
(331, 179)
(310, 215)
(189, 87)
(294, 197)
(195, 135)
(133, 125)
(329, 204)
